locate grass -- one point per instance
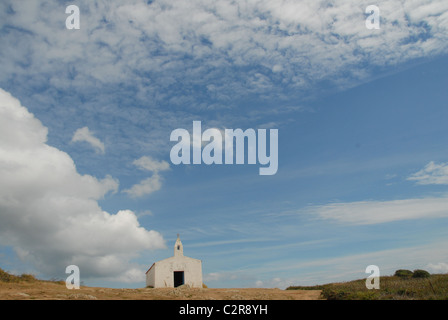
(25, 277)
(435, 287)
(10, 278)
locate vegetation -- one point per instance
(421, 274)
(403, 273)
(25, 277)
(7, 277)
(420, 285)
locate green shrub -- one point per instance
(402, 273)
(421, 274)
(335, 294)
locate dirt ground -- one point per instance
(57, 291)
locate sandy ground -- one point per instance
(56, 291)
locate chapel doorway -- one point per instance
(178, 278)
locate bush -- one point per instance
(27, 277)
(7, 277)
(402, 273)
(421, 274)
(335, 294)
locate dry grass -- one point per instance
(27, 287)
(10, 278)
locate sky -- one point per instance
(86, 115)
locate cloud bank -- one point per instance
(374, 212)
(160, 64)
(220, 49)
(49, 212)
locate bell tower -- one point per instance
(178, 247)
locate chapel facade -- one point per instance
(175, 271)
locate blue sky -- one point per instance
(87, 116)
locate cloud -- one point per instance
(227, 276)
(49, 212)
(220, 50)
(132, 275)
(353, 266)
(374, 212)
(145, 187)
(150, 164)
(151, 184)
(341, 268)
(440, 267)
(197, 57)
(432, 173)
(84, 134)
(274, 283)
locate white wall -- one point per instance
(150, 279)
(162, 273)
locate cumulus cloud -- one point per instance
(84, 134)
(152, 183)
(49, 212)
(432, 173)
(373, 212)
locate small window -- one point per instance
(178, 247)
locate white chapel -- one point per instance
(175, 271)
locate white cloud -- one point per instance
(440, 267)
(207, 55)
(49, 212)
(151, 184)
(132, 275)
(226, 276)
(84, 134)
(274, 283)
(432, 173)
(137, 43)
(145, 187)
(372, 212)
(150, 164)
